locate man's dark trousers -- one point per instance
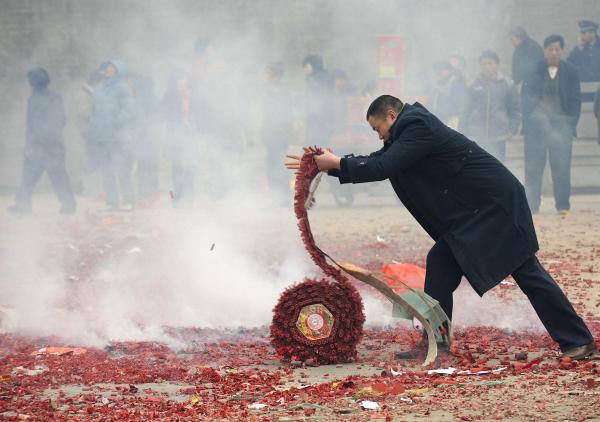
(443, 275)
(49, 159)
(550, 137)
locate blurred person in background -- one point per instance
(448, 94)
(110, 121)
(44, 146)
(217, 124)
(597, 111)
(342, 89)
(319, 93)
(492, 112)
(586, 55)
(181, 143)
(551, 108)
(146, 143)
(459, 66)
(276, 126)
(526, 55)
(93, 151)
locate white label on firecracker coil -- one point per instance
(315, 322)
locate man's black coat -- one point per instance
(570, 92)
(457, 192)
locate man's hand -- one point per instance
(325, 161)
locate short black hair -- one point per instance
(551, 39)
(519, 32)
(382, 104)
(489, 54)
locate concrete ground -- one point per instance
(375, 230)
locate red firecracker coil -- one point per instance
(318, 320)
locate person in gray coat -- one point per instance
(110, 121)
(492, 112)
(44, 147)
(597, 111)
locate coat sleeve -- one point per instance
(513, 108)
(126, 107)
(29, 128)
(414, 144)
(343, 179)
(597, 104)
(463, 126)
(574, 99)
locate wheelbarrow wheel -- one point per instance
(319, 321)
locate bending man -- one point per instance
(470, 204)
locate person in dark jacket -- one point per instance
(492, 112)
(597, 111)
(448, 93)
(586, 56)
(182, 147)
(277, 122)
(319, 91)
(342, 90)
(110, 122)
(470, 204)
(526, 55)
(551, 108)
(146, 143)
(44, 147)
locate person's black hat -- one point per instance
(38, 77)
(315, 60)
(519, 32)
(587, 26)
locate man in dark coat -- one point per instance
(110, 122)
(470, 204)
(319, 94)
(586, 56)
(526, 55)
(44, 148)
(551, 108)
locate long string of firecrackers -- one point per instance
(336, 293)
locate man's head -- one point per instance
(517, 35)
(488, 65)
(553, 49)
(312, 64)
(340, 79)
(457, 62)
(382, 114)
(588, 30)
(38, 78)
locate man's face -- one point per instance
(382, 125)
(308, 69)
(588, 37)
(340, 83)
(515, 41)
(110, 71)
(488, 68)
(553, 53)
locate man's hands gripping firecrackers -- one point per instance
(325, 161)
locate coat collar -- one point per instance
(403, 119)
